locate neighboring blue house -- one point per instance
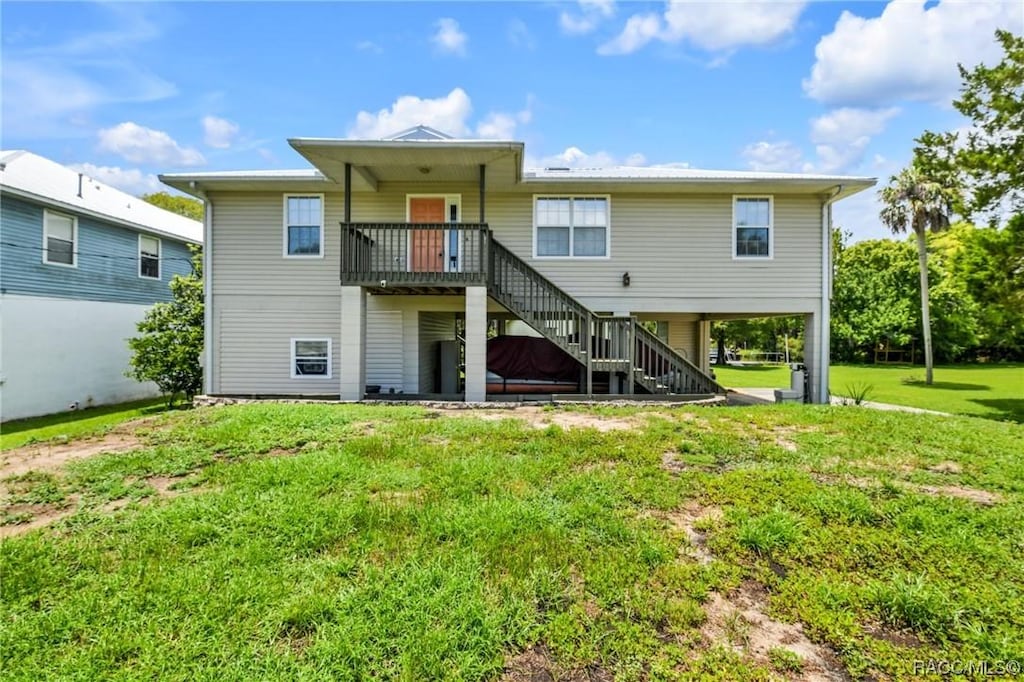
(80, 263)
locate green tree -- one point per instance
(987, 162)
(876, 302)
(916, 202)
(988, 263)
(170, 339)
(186, 206)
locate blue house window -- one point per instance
(60, 239)
(303, 226)
(149, 257)
(752, 227)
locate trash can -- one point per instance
(795, 393)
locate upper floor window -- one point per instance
(60, 239)
(304, 225)
(575, 227)
(752, 227)
(149, 257)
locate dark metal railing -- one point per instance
(662, 368)
(429, 255)
(414, 254)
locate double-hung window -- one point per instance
(311, 358)
(149, 257)
(304, 226)
(60, 239)
(752, 227)
(573, 227)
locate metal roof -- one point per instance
(34, 177)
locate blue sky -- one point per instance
(124, 91)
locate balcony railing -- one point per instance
(414, 254)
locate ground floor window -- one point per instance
(311, 358)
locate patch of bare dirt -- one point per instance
(536, 664)
(686, 520)
(903, 638)
(739, 621)
(976, 495)
(540, 418)
(51, 457)
(946, 468)
(42, 515)
(397, 497)
(671, 463)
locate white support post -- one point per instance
(812, 357)
(704, 346)
(476, 344)
(353, 343)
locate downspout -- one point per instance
(825, 313)
(208, 363)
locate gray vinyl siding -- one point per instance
(672, 245)
(677, 249)
(433, 327)
(682, 336)
(253, 343)
(107, 263)
(677, 246)
(384, 343)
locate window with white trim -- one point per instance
(311, 358)
(752, 227)
(571, 227)
(303, 225)
(60, 239)
(149, 257)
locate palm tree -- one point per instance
(916, 200)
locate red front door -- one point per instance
(427, 246)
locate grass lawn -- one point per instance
(75, 424)
(991, 391)
(351, 542)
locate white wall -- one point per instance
(54, 352)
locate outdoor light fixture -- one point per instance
(625, 279)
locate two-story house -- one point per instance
(389, 263)
(80, 263)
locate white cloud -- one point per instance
(591, 13)
(130, 180)
(772, 156)
(519, 35)
(710, 26)
(51, 90)
(574, 157)
(449, 114)
(840, 137)
(449, 37)
(139, 144)
(907, 53)
(219, 133)
(369, 46)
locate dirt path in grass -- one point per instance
(50, 457)
(541, 418)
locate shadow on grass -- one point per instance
(1009, 409)
(144, 408)
(947, 385)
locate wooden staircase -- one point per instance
(620, 346)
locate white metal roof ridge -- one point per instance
(37, 178)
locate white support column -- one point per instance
(353, 343)
(704, 346)
(476, 344)
(813, 359)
